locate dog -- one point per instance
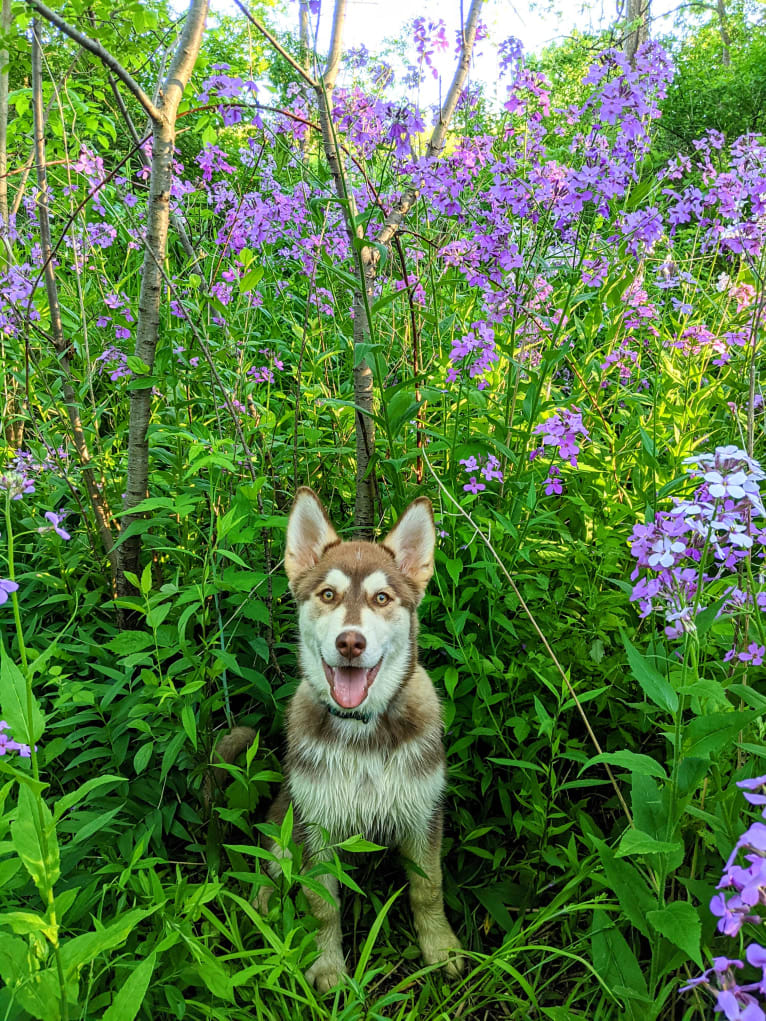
(364, 728)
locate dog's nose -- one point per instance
(350, 644)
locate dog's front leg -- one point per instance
(438, 942)
(330, 966)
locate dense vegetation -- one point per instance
(564, 334)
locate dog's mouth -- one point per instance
(349, 684)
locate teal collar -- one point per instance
(362, 717)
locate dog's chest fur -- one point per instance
(384, 779)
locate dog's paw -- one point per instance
(326, 972)
(262, 898)
(443, 947)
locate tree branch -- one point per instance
(276, 45)
(436, 142)
(95, 47)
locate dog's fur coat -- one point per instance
(364, 729)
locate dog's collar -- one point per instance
(362, 717)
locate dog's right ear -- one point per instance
(309, 533)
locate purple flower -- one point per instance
(753, 785)
(7, 744)
(55, 520)
(553, 483)
(754, 654)
(473, 486)
(16, 482)
(6, 587)
(562, 430)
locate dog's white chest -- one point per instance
(353, 790)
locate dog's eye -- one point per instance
(381, 598)
(327, 595)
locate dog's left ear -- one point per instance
(309, 533)
(412, 541)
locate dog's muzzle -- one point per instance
(349, 684)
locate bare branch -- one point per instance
(95, 47)
(436, 142)
(276, 45)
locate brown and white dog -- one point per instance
(364, 728)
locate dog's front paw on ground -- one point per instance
(326, 972)
(262, 898)
(444, 948)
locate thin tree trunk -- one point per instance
(303, 34)
(100, 510)
(147, 328)
(637, 18)
(368, 253)
(723, 27)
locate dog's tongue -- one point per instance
(349, 685)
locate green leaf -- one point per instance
(358, 844)
(142, 756)
(34, 837)
(632, 761)
(81, 950)
(19, 710)
(635, 897)
(23, 922)
(146, 579)
(75, 797)
(616, 963)
(250, 279)
(138, 366)
(680, 923)
(706, 735)
(131, 993)
(189, 723)
(656, 688)
(637, 842)
(128, 642)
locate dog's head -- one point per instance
(357, 602)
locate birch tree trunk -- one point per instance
(723, 28)
(158, 214)
(637, 17)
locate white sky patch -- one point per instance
(375, 23)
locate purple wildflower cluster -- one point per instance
(265, 373)
(115, 362)
(695, 549)
(476, 352)
(748, 883)
(488, 467)
(563, 431)
(6, 588)
(7, 744)
(429, 37)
